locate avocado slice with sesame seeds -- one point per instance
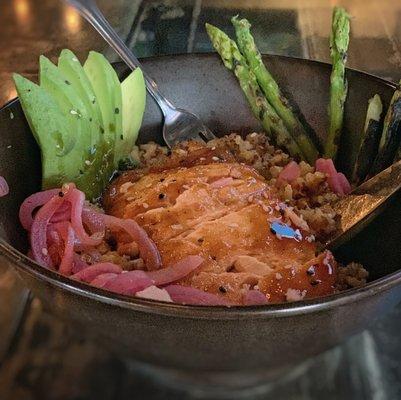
(72, 69)
(134, 101)
(83, 119)
(87, 157)
(51, 129)
(107, 89)
(69, 102)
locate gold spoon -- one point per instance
(365, 203)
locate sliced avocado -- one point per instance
(134, 101)
(107, 89)
(50, 128)
(58, 86)
(88, 157)
(72, 69)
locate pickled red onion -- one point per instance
(78, 264)
(337, 181)
(129, 283)
(177, 271)
(346, 186)
(147, 248)
(254, 298)
(190, 295)
(31, 203)
(90, 273)
(289, 173)
(39, 226)
(62, 214)
(68, 254)
(93, 219)
(102, 279)
(77, 199)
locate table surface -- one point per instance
(42, 357)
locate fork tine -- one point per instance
(207, 133)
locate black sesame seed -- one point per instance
(315, 282)
(101, 130)
(222, 289)
(201, 240)
(214, 258)
(121, 137)
(61, 194)
(117, 110)
(161, 196)
(67, 82)
(162, 180)
(81, 172)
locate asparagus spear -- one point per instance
(261, 108)
(369, 140)
(339, 40)
(271, 90)
(391, 136)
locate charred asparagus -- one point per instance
(339, 40)
(271, 90)
(261, 108)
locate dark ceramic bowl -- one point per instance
(214, 338)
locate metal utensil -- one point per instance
(179, 124)
(365, 202)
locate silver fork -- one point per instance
(179, 125)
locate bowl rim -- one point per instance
(28, 266)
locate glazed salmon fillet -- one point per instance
(212, 206)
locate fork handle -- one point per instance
(90, 11)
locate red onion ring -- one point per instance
(289, 173)
(177, 271)
(147, 248)
(254, 298)
(68, 255)
(32, 202)
(62, 214)
(38, 236)
(129, 283)
(345, 185)
(77, 199)
(78, 265)
(102, 279)
(90, 273)
(54, 244)
(93, 219)
(190, 295)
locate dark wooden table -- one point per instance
(44, 358)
